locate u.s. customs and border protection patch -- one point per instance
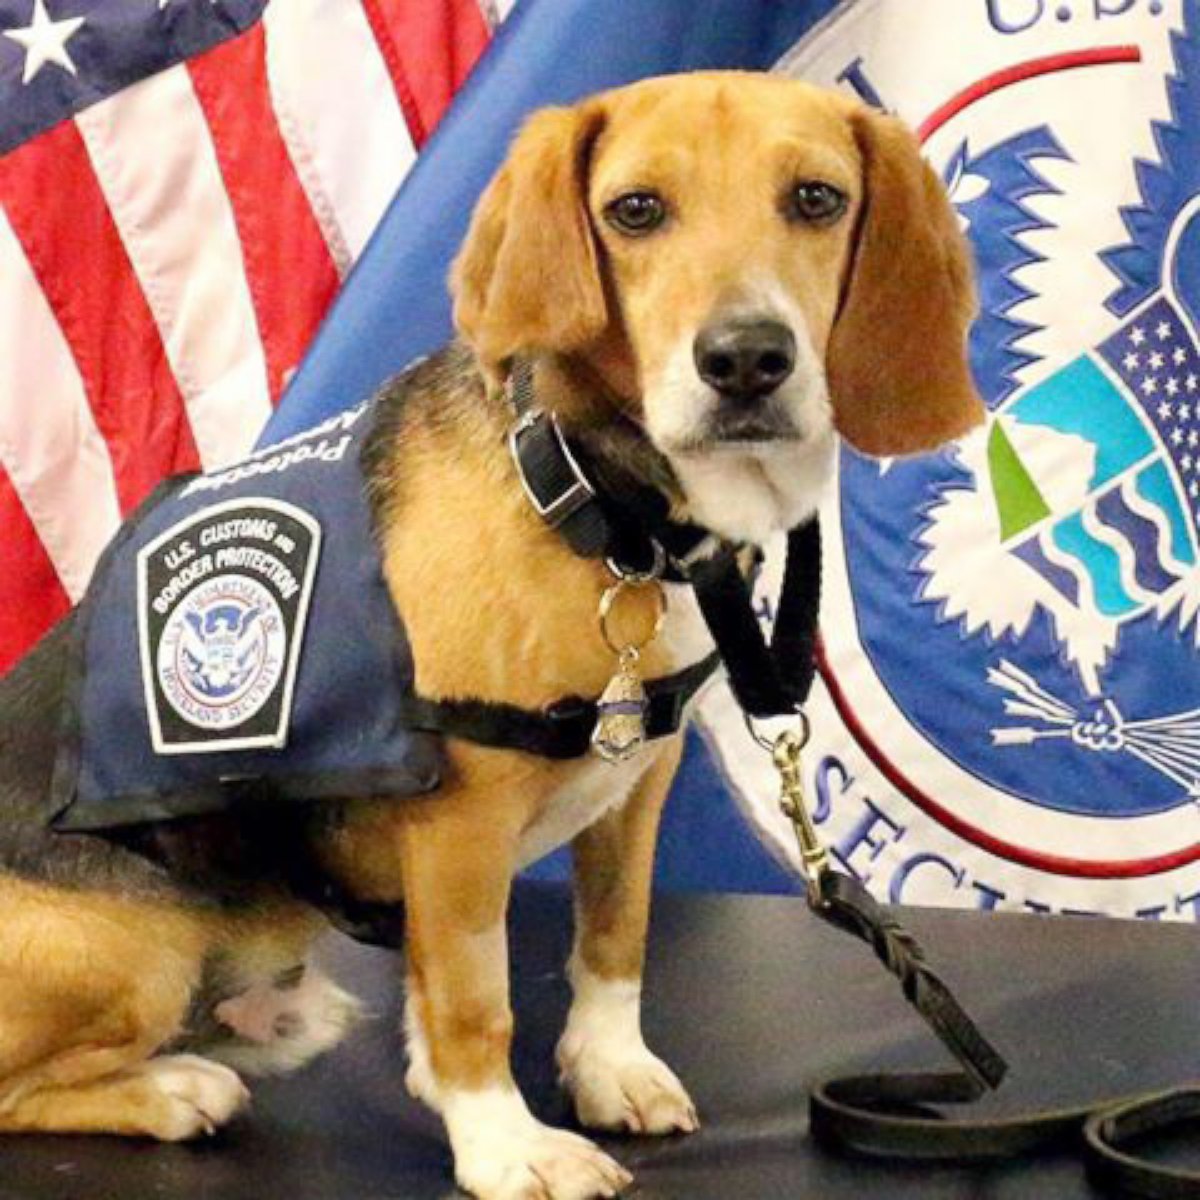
(223, 598)
(238, 644)
(1009, 714)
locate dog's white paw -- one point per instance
(603, 1061)
(538, 1163)
(279, 1027)
(628, 1088)
(502, 1153)
(200, 1096)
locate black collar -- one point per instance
(634, 533)
(562, 481)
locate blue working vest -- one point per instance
(237, 640)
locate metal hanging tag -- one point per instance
(621, 712)
(620, 730)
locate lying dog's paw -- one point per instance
(197, 1096)
(624, 1088)
(280, 1026)
(505, 1154)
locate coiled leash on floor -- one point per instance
(894, 1115)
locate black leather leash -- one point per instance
(896, 1115)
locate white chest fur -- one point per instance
(597, 787)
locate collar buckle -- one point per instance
(551, 477)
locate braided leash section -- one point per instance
(843, 902)
(899, 951)
(898, 1115)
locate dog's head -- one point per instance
(750, 262)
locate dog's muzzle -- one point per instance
(745, 360)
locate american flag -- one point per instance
(184, 185)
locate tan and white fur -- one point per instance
(100, 967)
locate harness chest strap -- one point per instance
(562, 730)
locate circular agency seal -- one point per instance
(223, 650)
(1010, 714)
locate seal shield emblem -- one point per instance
(222, 602)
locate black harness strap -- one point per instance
(563, 729)
(775, 679)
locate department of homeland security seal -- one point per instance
(222, 602)
(1010, 714)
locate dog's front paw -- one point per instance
(625, 1088)
(197, 1096)
(502, 1153)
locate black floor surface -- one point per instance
(750, 1001)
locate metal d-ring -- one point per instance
(609, 598)
(768, 743)
(655, 571)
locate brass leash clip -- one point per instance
(787, 750)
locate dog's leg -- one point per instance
(616, 1081)
(90, 988)
(457, 874)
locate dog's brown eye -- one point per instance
(635, 212)
(815, 202)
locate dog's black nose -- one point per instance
(747, 358)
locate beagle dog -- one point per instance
(713, 276)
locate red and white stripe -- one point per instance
(166, 257)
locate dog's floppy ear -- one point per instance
(897, 360)
(527, 277)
